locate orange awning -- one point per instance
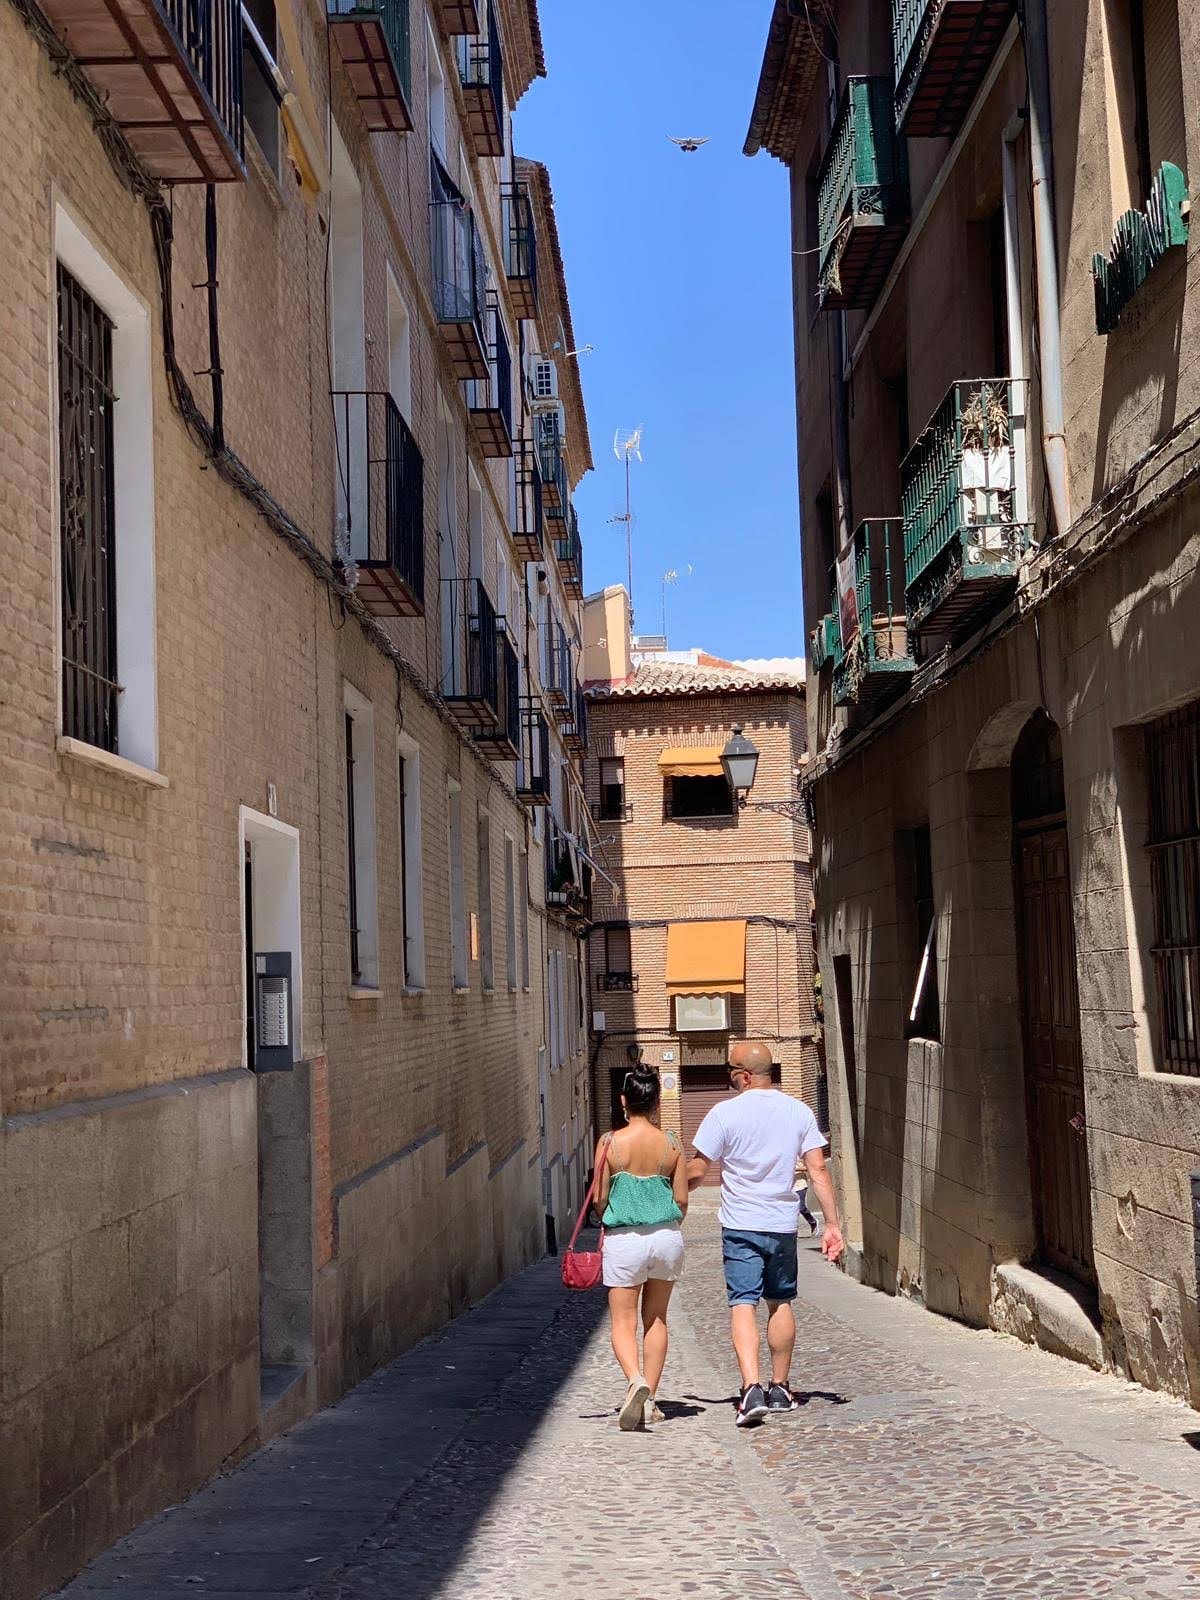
(700, 761)
(706, 958)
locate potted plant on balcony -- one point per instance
(986, 473)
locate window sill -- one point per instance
(412, 991)
(364, 991)
(92, 755)
(460, 988)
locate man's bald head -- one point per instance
(750, 1056)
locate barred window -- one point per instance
(1173, 777)
(87, 516)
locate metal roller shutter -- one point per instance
(701, 1089)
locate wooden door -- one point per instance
(1058, 1149)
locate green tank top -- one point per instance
(641, 1202)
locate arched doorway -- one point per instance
(1058, 1152)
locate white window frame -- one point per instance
(412, 869)
(435, 93)
(366, 854)
(487, 947)
(460, 971)
(399, 348)
(510, 912)
(523, 891)
(133, 502)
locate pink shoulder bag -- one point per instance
(583, 1269)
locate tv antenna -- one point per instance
(671, 576)
(628, 447)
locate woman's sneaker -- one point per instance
(781, 1398)
(752, 1407)
(652, 1414)
(633, 1408)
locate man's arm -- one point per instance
(697, 1167)
(832, 1243)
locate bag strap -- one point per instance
(591, 1194)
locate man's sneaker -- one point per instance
(781, 1398)
(752, 1407)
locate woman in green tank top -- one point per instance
(642, 1197)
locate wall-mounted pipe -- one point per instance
(1041, 162)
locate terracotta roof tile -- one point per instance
(654, 678)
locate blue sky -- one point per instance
(678, 269)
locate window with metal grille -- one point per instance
(1173, 778)
(612, 789)
(87, 520)
(352, 854)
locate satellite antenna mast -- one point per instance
(671, 576)
(628, 447)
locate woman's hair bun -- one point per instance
(641, 1089)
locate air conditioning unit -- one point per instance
(701, 1013)
(544, 382)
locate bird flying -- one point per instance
(688, 144)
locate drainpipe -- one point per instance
(1016, 312)
(1054, 444)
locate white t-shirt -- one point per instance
(758, 1136)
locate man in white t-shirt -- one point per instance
(757, 1138)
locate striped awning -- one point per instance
(684, 761)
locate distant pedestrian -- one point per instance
(642, 1196)
(801, 1187)
(758, 1139)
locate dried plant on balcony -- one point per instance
(985, 421)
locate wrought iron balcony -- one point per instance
(481, 73)
(555, 493)
(169, 73)
(617, 982)
(862, 200)
(520, 249)
(877, 661)
(965, 503)
(381, 494)
(471, 653)
(941, 50)
(529, 532)
(459, 275)
(559, 683)
(573, 723)
(568, 551)
(604, 812)
(568, 876)
(533, 763)
(503, 739)
(489, 400)
(457, 16)
(824, 638)
(373, 41)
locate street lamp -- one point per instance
(740, 760)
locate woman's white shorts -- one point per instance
(631, 1255)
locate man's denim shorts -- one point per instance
(758, 1266)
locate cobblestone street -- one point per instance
(929, 1462)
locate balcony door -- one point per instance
(348, 347)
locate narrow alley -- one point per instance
(929, 1462)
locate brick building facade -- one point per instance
(278, 693)
(998, 441)
(704, 903)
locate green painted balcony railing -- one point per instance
(965, 501)
(825, 638)
(568, 551)
(862, 200)
(941, 51)
(375, 45)
(878, 660)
